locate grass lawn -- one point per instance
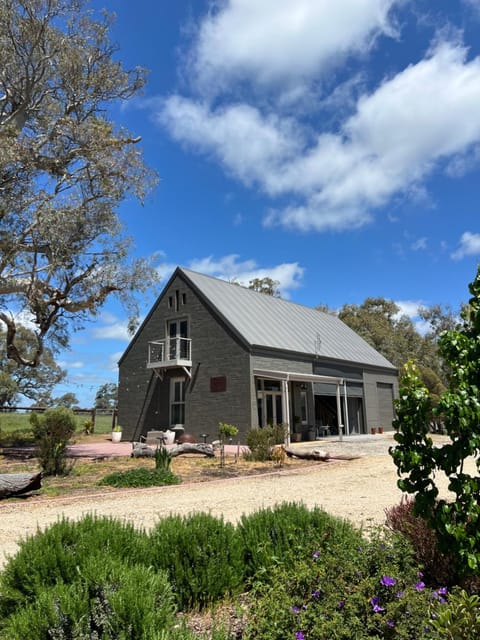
(15, 427)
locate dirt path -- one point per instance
(359, 490)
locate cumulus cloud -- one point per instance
(231, 267)
(415, 122)
(469, 246)
(111, 328)
(280, 43)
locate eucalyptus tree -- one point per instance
(34, 383)
(65, 167)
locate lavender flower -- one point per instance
(390, 623)
(299, 635)
(420, 586)
(388, 581)
(375, 602)
(295, 609)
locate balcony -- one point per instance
(170, 353)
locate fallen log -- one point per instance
(316, 454)
(15, 484)
(200, 448)
(142, 450)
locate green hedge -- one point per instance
(275, 535)
(107, 599)
(59, 553)
(201, 555)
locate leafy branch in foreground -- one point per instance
(64, 170)
(418, 461)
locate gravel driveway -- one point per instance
(359, 490)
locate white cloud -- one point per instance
(409, 308)
(279, 42)
(289, 274)
(469, 246)
(117, 330)
(75, 364)
(251, 146)
(398, 135)
(419, 244)
(231, 267)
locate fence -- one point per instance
(92, 413)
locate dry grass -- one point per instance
(85, 473)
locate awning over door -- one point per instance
(287, 376)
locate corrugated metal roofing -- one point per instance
(262, 320)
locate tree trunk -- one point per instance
(14, 484)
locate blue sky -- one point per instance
(333, 146)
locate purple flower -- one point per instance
(388, 581)
(317, 594)
(420, 586)
(316, 555)
(400, 594)
(375, 602)
(299, 635)
(442, 591)
(341, 604)
(390, 623)
(295, 609)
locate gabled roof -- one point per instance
(264, 321)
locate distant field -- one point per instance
(15, 427)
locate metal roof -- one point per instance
(264, 321)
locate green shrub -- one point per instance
(52, 431)
(261, 441)
(202, 557)
(163, 459)
(57, 554)
(108, 599)
(275, 535)
(340, 592)
(438, 568)
(140, 478)
(459, 618)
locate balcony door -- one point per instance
(177, 348)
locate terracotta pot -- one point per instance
(373, 431)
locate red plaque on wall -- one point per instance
(218, 384)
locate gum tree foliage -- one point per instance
(419, 462)
(265, 285)
(380, 322)
(106, 397)
(33, 383)
(64, 169)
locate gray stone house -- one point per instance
(211, 351)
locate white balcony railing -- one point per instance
(170, 352)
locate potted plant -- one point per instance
(116, 433)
